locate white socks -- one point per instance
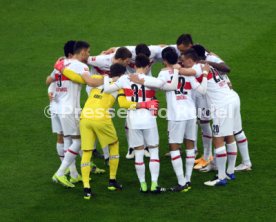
(60, 151)
(154, 164)
(231, 157)
(69, 157)
(206, 140)
(177, 164)
(190, 160)
(140, 165)
(243, 147)
(221, 158)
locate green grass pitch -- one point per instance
(32, 35)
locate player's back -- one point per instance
(180, 103)
(100, 64)
(98, 104)
(218, 91)
(67, 95)
(139, 118)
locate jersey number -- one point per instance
(135, 97)
(181, 81)
(59, 83)
(217, 77)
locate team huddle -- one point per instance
(198, 93)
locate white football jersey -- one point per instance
(100, 64)
(155, 51)
(140, 118)
(218, 92)
(67, 93)
(214, 58)
(180, 103)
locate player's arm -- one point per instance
(93, 81)
(200, 87)
(50, 78)
(73, 76)
(109, 51)
(110, 88)
(222, 67)
(51, 91)
(172, 85)
(123, 102)
(148, 81)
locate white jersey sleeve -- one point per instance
(213, 58)
(198, 70)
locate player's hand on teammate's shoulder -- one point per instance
(135, 78)
(108, 51)
(59, 65)
(177, 66)
(206, 68)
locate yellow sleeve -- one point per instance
(73, 76)
(76, 77)
(123, 102)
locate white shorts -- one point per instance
(229, 122)
(141, 137)
(202, 107)
(180, 130)
(66, 123)
(56, 124)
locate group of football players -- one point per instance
(198, 93)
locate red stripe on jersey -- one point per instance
(141, 163)
(100, 71)
(242, 141)
(72, 152)
(154, 160)
(232, 153)
(130, 92)
(221, 155)
(209, 76)
(187, 85)
(176, 157)
(63, 77)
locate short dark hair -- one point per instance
(69, 47)
(200, 50)
(122, 53)
(117, 70)
(142, 49)
(80, 45)
(184, 39)
(141, 61)
(169, 54)
(191, 54)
